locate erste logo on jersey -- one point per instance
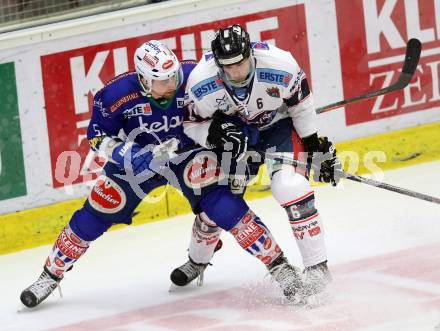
(279, 77)
(139, 109)
(207, 86)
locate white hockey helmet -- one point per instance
(153, 60)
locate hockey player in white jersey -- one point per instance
(245, 95)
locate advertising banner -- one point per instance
(12, 175)
(372, 57)
(346, 48)
(71, 78)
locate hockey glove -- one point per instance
(321, 156)
(163, 153)
(129, 154)
(223, 133)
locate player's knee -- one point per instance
(204, 240)
(204, 224)
(224, 208)
(112, 199)
(88, 226)
(287, 186)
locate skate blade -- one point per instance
(21, 308)
(176, 288)
(173, 288)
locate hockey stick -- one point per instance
(178, 155)
(190, 148)
(360, 179)
(413, 49)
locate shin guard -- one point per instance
(254, 237)
(294, 194)
(67, 250)
(204, 238)
(307, 228)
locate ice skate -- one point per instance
(40, 289)
(316, 278)
(288, 277)
(187, 272)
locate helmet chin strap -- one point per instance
(243, 83)
(145, 88)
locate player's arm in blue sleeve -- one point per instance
(104, 127)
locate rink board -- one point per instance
(58, 68)
(383, 252)
(406, 147)
(51, 73)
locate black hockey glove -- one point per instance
(224, 133)
(321, 156)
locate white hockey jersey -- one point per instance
(278, 90)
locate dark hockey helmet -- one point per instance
(231, 45)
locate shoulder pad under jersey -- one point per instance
(204, 79)
(260, 45)
(120, 90)
(187, 68)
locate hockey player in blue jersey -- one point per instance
(137, 125)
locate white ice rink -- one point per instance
(384, 252)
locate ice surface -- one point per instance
(383, 249)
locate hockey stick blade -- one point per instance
(412, 56)
(413, 50)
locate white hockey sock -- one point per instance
(204, 238)
(307, 228)
(293, 192)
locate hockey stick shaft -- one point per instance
(362, 180)
(190, 148)
(412, 57)
(180, 154)
(390, 187)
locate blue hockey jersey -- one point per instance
(122, 105)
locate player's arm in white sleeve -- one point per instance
(299, 101)
(196, 121)
(195, 126)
